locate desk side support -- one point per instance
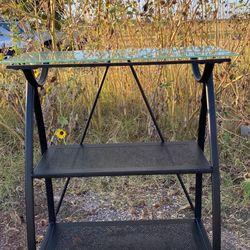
(29, 191)
(208, 108)
(33, 105)
(215, 164)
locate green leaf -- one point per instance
(166, 84)
(63, 121)
(226, 137)
(245, 185)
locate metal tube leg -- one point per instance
(201, 142)
(33, 105)
(208, 96)
(50, 200)
(198, 196)
(215, 163)
(216, 210)
(29, 191)
(43, 146)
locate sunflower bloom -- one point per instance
(60, 134)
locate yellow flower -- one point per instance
(48, 89)
(1, 56)
(36, 72)
(60, 134)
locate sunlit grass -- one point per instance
(121, 114)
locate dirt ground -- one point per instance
(152, 203)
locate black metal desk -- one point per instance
(123, 159)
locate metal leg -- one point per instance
(33, 105)
(201, 142)
(202, 119)
(29, 191)
(208, 106)
(198, 196)
(44, 146)
(215, 163)
(201, 130)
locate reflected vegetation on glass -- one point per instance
(85, 56)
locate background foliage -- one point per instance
(121, 115)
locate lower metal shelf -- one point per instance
(130, 235)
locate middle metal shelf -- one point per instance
(122, 159)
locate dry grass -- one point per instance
(121, 114)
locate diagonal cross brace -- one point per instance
(146, 102)
(159, 132)
(83, 136)
(152, 116)
(94, 105)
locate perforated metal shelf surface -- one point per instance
(178, 234)
(122, 159)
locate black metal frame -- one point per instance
(207, 110)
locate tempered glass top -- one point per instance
(95, 56)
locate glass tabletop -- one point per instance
(95, 56)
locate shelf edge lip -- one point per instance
(130, 221)
(158, 143)
(130, 173)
